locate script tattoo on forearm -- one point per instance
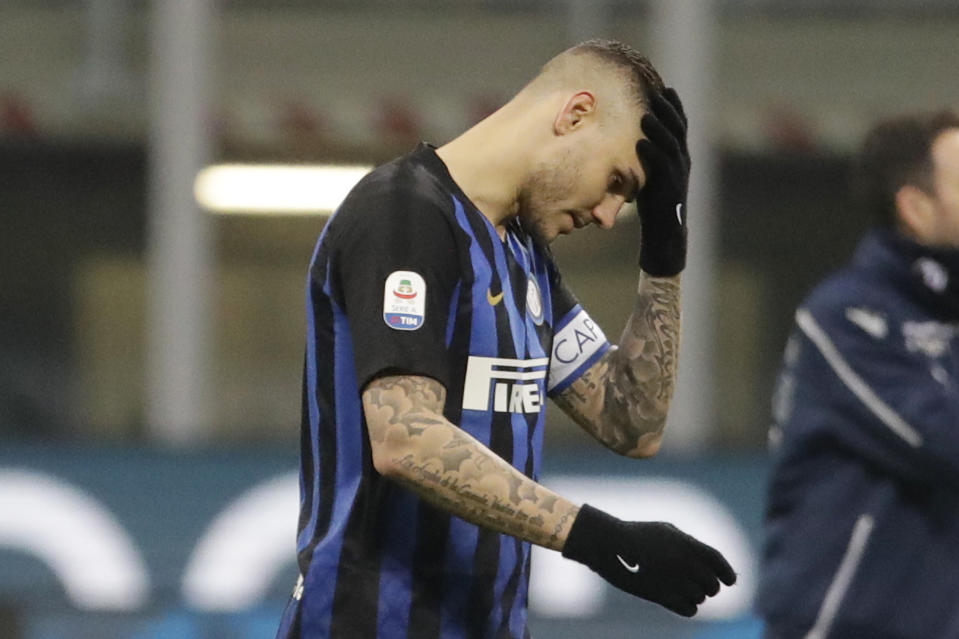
(447, 467)
(623, 399)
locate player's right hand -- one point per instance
(652, 560)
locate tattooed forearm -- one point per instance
(623, 399)
(415, 445)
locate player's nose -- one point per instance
(604, 214)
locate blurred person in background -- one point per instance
(862, 519)
(438, 324)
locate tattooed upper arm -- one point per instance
(416, 446)
(623, 399)
(396, 407)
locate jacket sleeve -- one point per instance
(856, 380)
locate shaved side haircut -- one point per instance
(626, 69)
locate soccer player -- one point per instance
(862, 520)
(438, 325)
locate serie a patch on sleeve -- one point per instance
(404, 300)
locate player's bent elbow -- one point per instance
(394, 460)
(383, 450)
(382, 462)
(647, 446)
(385, 460)
(650, 449)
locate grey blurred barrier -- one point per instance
(156, 544)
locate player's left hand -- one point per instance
(662, 200)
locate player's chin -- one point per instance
(548, 235)
(563, 225)
(542, 233)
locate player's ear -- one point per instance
(574, 113)
(917, 213)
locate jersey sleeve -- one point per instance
(397, 270)
(578, 342)
(856, 380)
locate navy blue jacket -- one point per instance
(862, 518)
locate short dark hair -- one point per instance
(639, 71)
(897, 152)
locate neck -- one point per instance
(489, 163)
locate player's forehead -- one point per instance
(620, 161)
(622, 140)
(625, 119)
(625, 158)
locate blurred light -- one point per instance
(245, 547)
(75, 535)
(275, 188)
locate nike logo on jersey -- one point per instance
(493, 299)
(679, 213)
(633, 568)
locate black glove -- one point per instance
(652, 560)
(662, 200)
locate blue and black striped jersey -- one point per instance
(409, 277)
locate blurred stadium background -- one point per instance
(150, 350)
